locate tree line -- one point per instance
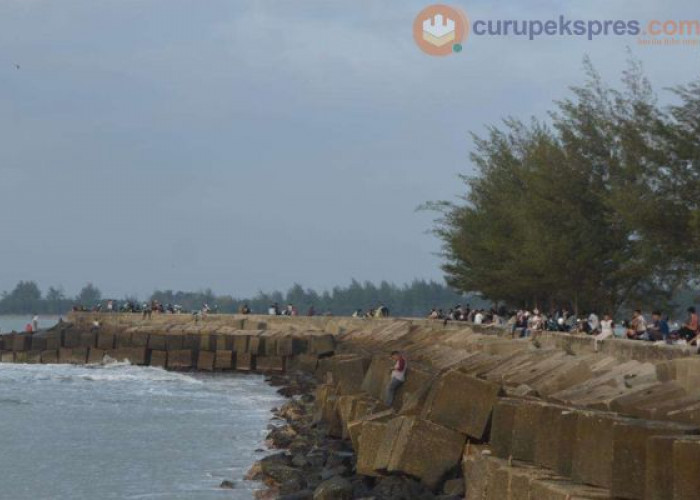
(27, 298)
(414, 299)
(594, 208)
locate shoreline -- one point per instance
(307, 462)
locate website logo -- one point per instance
(439, 30)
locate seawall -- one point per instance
(481, 415)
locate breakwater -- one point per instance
(481, 415)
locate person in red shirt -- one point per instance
(398, 376)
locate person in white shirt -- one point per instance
(607, 330)
(593, 323)
(478, 318)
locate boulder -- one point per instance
(335, 488)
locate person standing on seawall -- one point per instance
(35, 323)
(398, 376)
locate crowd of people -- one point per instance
(526, 323)
(476, 316)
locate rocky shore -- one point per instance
(313, 465)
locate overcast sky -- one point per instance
(245, 146)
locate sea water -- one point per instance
(122, 431)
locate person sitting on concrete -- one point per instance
(607, 330)
(659, 328)
(689, 330)
(398, 376)
(638, 327)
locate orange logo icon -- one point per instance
(439, 30)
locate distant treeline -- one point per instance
(27, 298)
(415, 299)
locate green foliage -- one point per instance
(26, 298)
(595, 210)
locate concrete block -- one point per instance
(502, 427)
(629, 453)
(95, 355)
(369, 439)
(347, 373)
(205, 343)
(38, 343)
(88, 339)
(305, 362)
(105, 340)
(474, 472)
(21, 356)
(191, 341)
(377, 377)
(156, 342)
(686, 474)
(223, 342)
(122, 338)
(53, 342)
(556, 438)
(49, 356)
(21, 342)
(561, 489)
(425, 450)
(33, 357)
(139, 339)
(159, 358)
(270, 364)
(180, 359)
(175, 343)
(75, 356)
(240, 342)
(659, 467)
(463, 403)
(70, 338)
(245, 361)
(224, 360)
(387, 446)
(354, 427)
(205, 361)
(322, 345)
(256, 345)
(7, 357)
(593, 449)
(653, 395)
